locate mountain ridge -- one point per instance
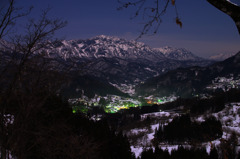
(107, 46)
(221, 56)
(181, 54)
(185, 82)
(118, 60)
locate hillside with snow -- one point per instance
(229, 118)
(177, 54)
(220, 57)
(120, 61)
(114, 47)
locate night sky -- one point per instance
(206, 30)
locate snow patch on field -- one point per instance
(146, 140)
(156, 114)
(229, 118)
(136, 131)
(151, 135)
(137, 150)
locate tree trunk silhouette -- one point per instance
(228, 8)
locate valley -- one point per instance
(78, 81)
(157, 101)
(146, 93)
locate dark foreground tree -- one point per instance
(228, 148)
(153, 11)
(26, 77)
(179, 153)
(9, 13)
(36, 123)
(182, 129)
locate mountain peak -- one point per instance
(165, 49)
(177, 53)
(221, 56)
(107, 37)
(115, 47)
(118, 40)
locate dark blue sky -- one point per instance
(206, 30)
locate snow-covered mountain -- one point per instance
(105, 46)
(113, 47)
(177, 53)
(221, 57)
(118, 60)
(122, 61)
(185, 82)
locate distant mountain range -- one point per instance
(180, 54)
(121, 61)
(103, 59)
(220, 57)
(112, 47)
(187, 81)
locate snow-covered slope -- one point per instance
(191, 80)
(105, 46)
(229, 118)
(177, 53)
(109, 47)
(220, 57)
(118, 60)
(113, 47)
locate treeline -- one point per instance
(226, 149)
(214, 104)
(182, 129)
(51, 130)
(180, 153)
(200, 106)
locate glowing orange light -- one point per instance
(149, 102)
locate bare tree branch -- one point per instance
(28, 75)
(151, 14)
(38, 34)
(8, 16)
